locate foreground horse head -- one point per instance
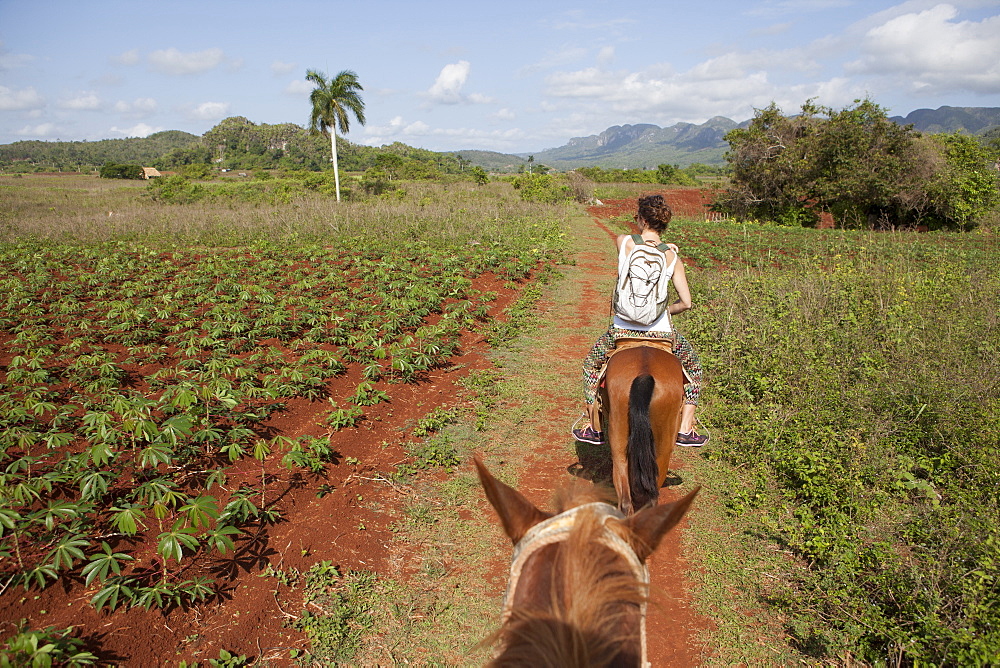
(642, 398)
(578, 585)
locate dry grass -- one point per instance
(89, 209)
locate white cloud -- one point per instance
(83, 101)
(210, 111)
(725, 86)
(930, 51)
(417, 129)
(447, 89)
(130, 57)
(504, 115)
(397, 129)
(42, 131)
(774, 29)
(606, 55)
(479, 98)
(138, 130)
(279, 68)
(299, 88)
(12, 61)
(20, 100)
(173, 62)
(139, 108)
(736, 63)
(591, 82)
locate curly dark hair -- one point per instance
(655, 211)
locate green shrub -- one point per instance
(479, 175)
(175, 189)
(111, 170)
(438, 451)
(196, 171)
(539, 188)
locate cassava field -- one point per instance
(236, 421)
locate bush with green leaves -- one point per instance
(858, 165)
(663, 174)
(111, 170)
(543, 188)
(479, 175)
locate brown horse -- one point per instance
(578, 584)
(641, 400)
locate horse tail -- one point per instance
(641, 446)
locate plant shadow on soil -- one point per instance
(594, 464)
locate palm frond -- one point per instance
(334, 100)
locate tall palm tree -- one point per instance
(331, 100)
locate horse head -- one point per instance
(577, 591)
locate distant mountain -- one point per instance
(644, 146)
(974, 120)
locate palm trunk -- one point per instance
(336, 170)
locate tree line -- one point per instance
(76, 156)
(236, 143)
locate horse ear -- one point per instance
(648, 526)
(517, 514)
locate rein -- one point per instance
(556, 529)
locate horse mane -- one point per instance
(595, 599)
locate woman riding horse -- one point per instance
(653, 216)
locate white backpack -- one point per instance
(643, 283)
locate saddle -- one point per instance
(637, 342)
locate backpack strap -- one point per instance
(637, 239)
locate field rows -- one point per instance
(131, 379)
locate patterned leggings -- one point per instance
(605, 344)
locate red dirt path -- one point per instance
(672, 624)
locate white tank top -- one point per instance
(662, 323)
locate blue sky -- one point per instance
(507, 76)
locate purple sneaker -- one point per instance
(589, 435)
(692, 439)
